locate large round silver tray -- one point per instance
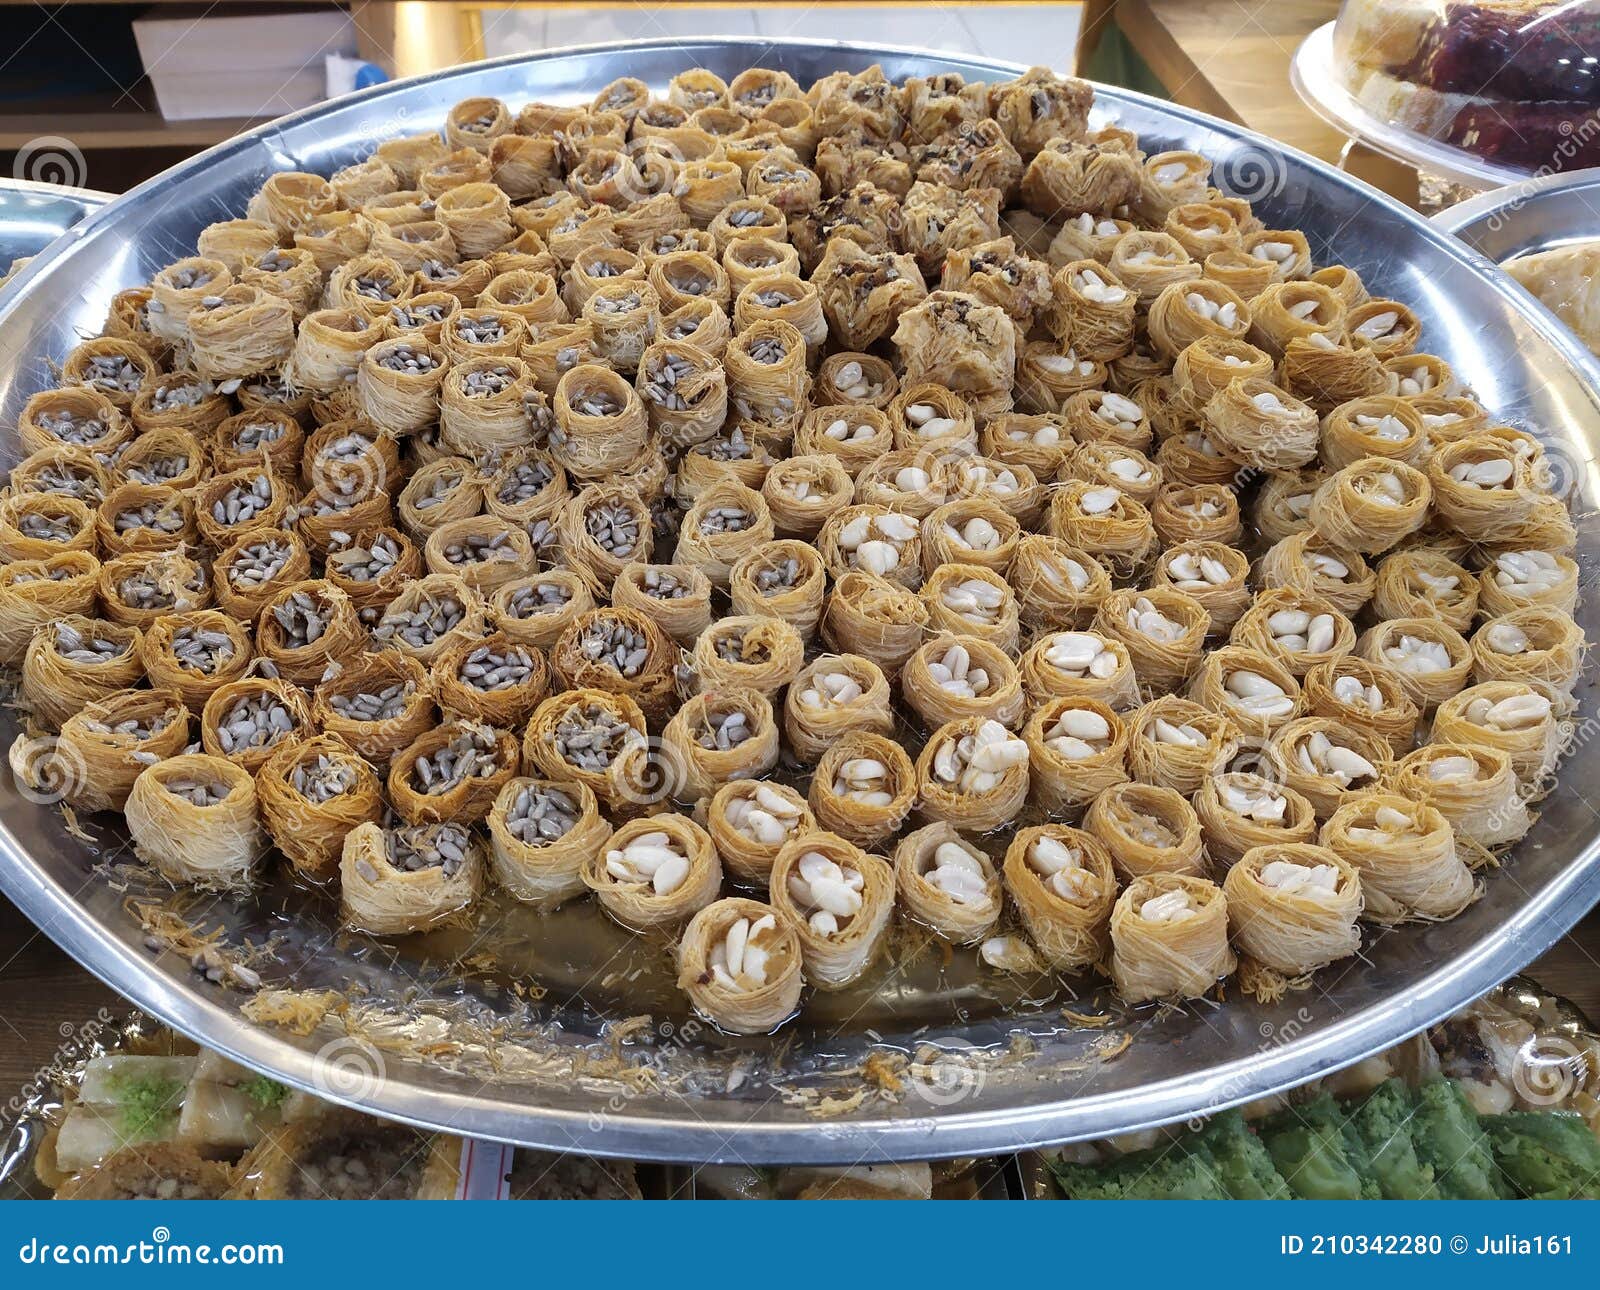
(1030, 1076)
(33, 215)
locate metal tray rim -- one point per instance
(1536, 925)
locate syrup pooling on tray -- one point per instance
(840, 516)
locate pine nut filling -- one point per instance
(830, 690)
(426, 846)
(322, 780)
(434, 616)
(539, 815)
(258, 563)
(764, 815)
(471, 754)
(255, 721)
(1318, 755)
(489, 670)
(243, 502)
(954, 674)
(826, 893)
(591, 738)
(301, 619)
(1062, 868)
(649, 860)
(73, 645)
(383, 704)
(1079, 654)
(1078, 734)
(959, 874)
(976, 763)
(200, 649)
(615, 644)
(739, 960)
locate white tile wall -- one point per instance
(1020, 33)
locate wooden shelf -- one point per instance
(132, 129)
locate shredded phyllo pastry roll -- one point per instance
(1293, 906)
(655, 872)
(195, 818)
(1472, 785)
(1176, 743)
(1239, 810)
(408, 878)
(1146, 829)
(76, 660)
(972, 771)
(1406, 853)
(751, 821)
(947, 883)
(542, 832)
(313, 792)
(1061, 882)
(837, 899)
(1076, 750)
(1169, 938)
(741, 966)
(864, 786)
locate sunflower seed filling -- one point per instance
(197, 792)
(255, 721)
(258, 563)
(723, 731)
(542, 533)
(303, 621)
(483, 330)
(773, 299)
(732, 446)
(322, 780)
(164, 517)
(470, 755)
(346, 448)
(614, 528)
(366, 563)
(537, 598)
(625, 303)
(538, 815)
(590, 738)
(664, 377)
(683, 328)
(479, 548)
(599, 403)
(433, 617)
(661, 585)
(733, 648)
(483, 383)
(70, 427)
(384, 704)
(242, 503)
(616, 644)
(188, 278)
(200, 649)
(744, 216)
(72, 644)
(115, 372)
(428, 846)
(169, 397)
(406, 358)
(373, 288)
(439, 488)
(768, 350)
(781, 577)
(438, 271)
(523, 482)
(67, 481)
(726, 519)
(133, 727)
(47, 528)
(412, 317)
(488, 669)
(159, 470)
(147, 590)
